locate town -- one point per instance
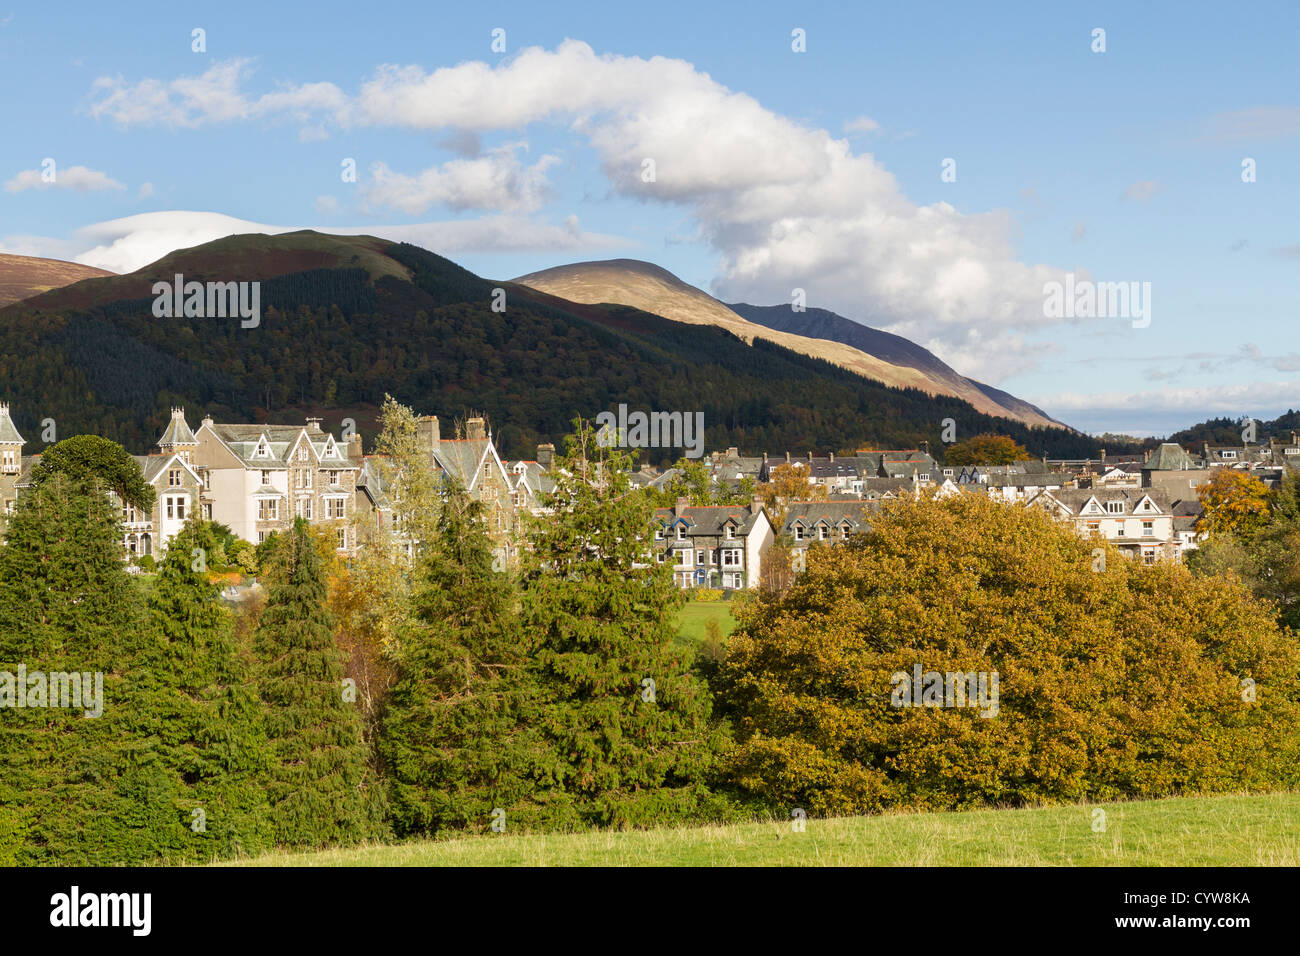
(257, 478)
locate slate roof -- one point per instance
(177, 432)
(810, 514)
(1074, 499)
(8, 433)
(1168, 457)
(243, 441)
(710, 521)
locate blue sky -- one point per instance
(775, 169)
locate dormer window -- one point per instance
(1115, 507)
(823, 532)
(263, 448)
(731, 532)
(1292, 451)
(681, 532)
(1228, 455)
(798, 532)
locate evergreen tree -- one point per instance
(319, 789)
(630, 725)
(201, 706)
(77, 789)
(458, 737)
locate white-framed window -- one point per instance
(207, 512)
(823, 532)
(268, 509)
(10, 460)
(1148, 528)
(261, 537)
(1115, 507)
(334, 507)
(175, 508)
(798, 532)
(681, 532)
(699, 556)
(731, 558)
(731, 532)
(684, 558)
(266, 477)
(306, 508)
(334, 477)
(1226, 455)
(1119, 530)
(845, 531)
(659, 533)
(660, 557)
(343, 538)
(174, 478)
(302, 453)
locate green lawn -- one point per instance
(693, 615)
(1186, 831)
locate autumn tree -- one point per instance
(1233, 501)
(1114, 679)
(986, 449)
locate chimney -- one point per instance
(787, 458)
(1103, 456)
(756, 505)
(682, 505)
(429, 433)
(313, 424)
(545, 455)
(354, 447)
(207, 422)
(475, 430)
(832, 454)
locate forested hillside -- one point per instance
(342, 325)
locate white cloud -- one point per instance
(69, 177)
(124, 245)
(496, 182)
(784, 205)
(1143, 190)
(862, 124)
(146, 190)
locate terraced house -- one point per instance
(717, 546)
(1140, 522)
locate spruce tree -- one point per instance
(77, 789)
(458, 737)
(630, 725)
(319, 788)
(202, 707)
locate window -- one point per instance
(1148, 528)
(798, 532)
(306, 508)
(266, 477)
(334, 507)
(1148, 555)
(268, 510)
(1119, 530)
(302, 453)
(1228, 455)
(1292, 451)
(174, 478)
(845, 531)
(659, 533)
(684, 558)
(823, 532)
(261, 537)
(175, 508)
(343, 538)
(681, 532)
(207, 512)
(660, 557)
(10, 460)
(731, 558)
(309, 481)
(1115, 507)
(699, 556)
(731, 532)
(334, 477)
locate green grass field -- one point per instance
(693, 616)
(1235, 830)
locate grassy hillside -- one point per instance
(1259, 830)
(348, 319)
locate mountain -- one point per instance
(824, 324)
(346, 320)
(24, 276)
(886, 358)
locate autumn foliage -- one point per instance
(1129, 681)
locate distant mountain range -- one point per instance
(887, 358)
(347, 320)
(22, 277)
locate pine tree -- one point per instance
(319, 789)
(630, 725)
(458, 736)
(77, 790)
(202, 707)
